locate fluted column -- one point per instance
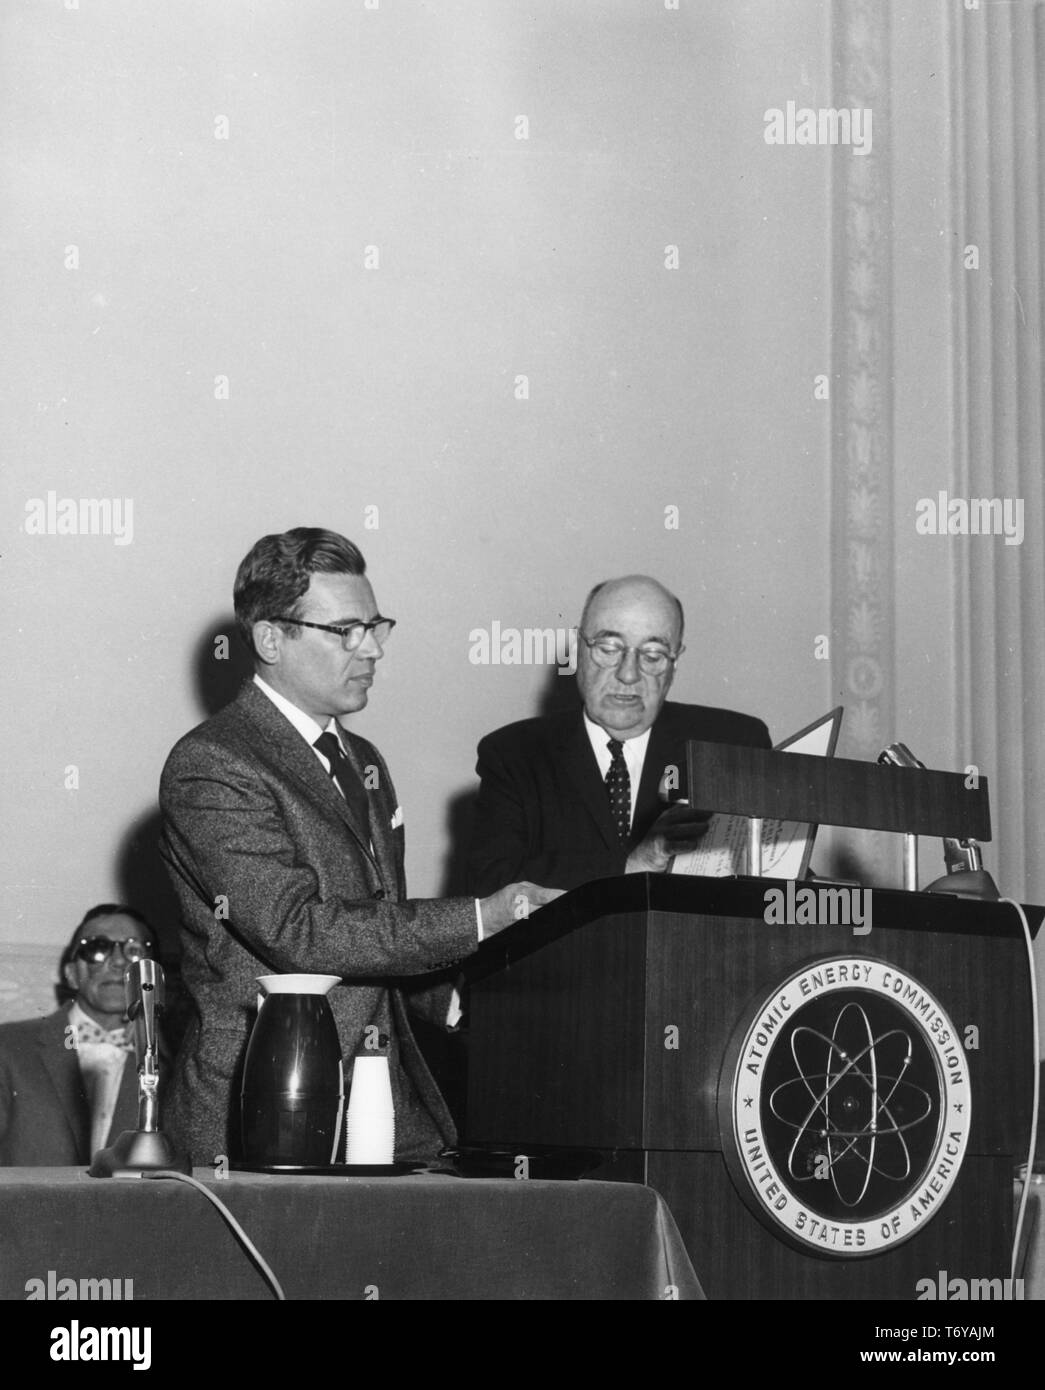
(863, 618)
(998, 59)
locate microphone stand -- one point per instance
(147, 1147)
(965, 877)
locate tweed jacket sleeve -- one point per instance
(269, 859)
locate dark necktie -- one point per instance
(618, 789)
(344, 774)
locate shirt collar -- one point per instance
(78, 1017)
(304, 723)
(634, 748)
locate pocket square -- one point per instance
(397, 819)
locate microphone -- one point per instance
(965, 877)
(144, 985)
(899, 755)
(147, 1147)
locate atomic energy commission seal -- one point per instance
(844, 1106)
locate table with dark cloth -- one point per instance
(419, 1236)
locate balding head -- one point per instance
(634, 588)
(637, 612)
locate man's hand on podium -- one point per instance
(513, 904)
(678, 830)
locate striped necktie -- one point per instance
(343, 773)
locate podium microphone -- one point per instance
(147, 1147)
(965, 877)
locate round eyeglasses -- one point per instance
(608, 653)
(354, 634)
(96, 949)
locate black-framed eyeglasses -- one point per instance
(96, 949)
(354, 635)
(609, 653)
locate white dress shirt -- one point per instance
(101, 1066)
(305, 725)
(634, 756)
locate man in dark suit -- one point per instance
(582, 795)
(284, 841)
(69, 1081)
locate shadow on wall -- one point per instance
(557, 696)
(143, 884)
(220, 666)
(844, 863)
(222, 663)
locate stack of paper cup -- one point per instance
(370, 1125)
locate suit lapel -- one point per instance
(300, 762)
(578, 761)
(380, 798)
(61, 1065)
(384, 846)
(661, 753)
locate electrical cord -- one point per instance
(227, 1216)
(1018, 1233)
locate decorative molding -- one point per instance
(862, 583)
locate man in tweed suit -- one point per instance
(284, 842)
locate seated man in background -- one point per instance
(575, 796)
(69, 1082)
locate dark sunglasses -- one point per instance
(96, 949)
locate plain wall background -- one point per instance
(395, 387)
(352, 388)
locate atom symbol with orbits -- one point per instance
(849, 1096)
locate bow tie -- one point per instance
(89, 1033)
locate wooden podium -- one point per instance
(633, 1016)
